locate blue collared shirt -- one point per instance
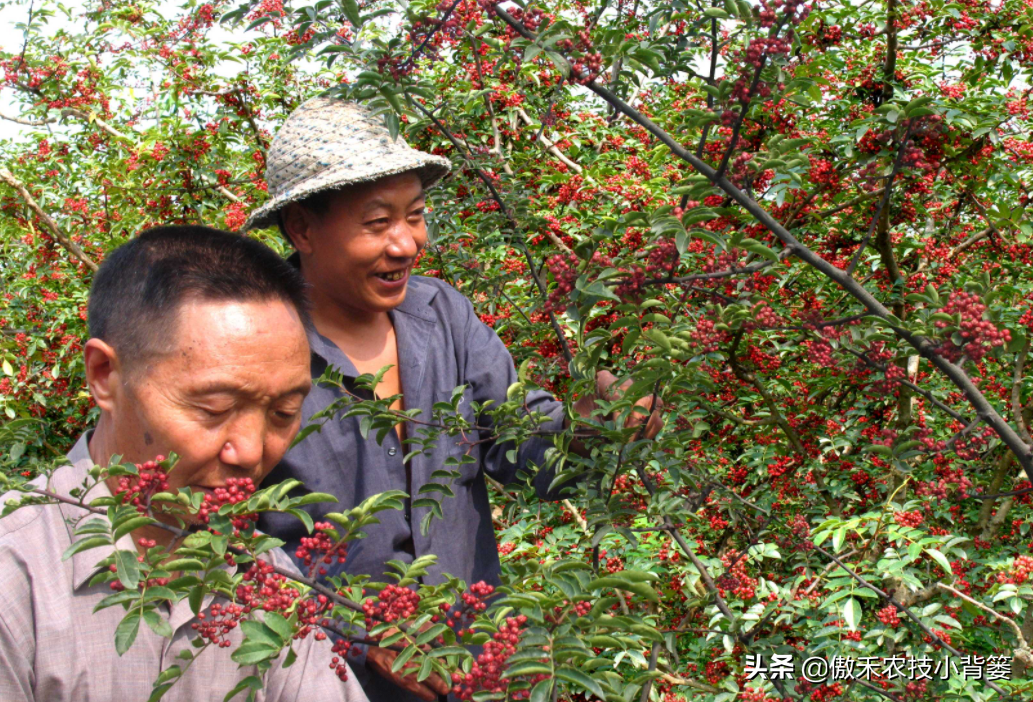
(441, 344)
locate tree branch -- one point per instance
(50, 224)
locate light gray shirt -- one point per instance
(53, 647)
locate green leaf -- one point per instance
(659, 338)
(158, 624)
(542, 692)
(435, 487)
(615, 581)
(258, 632)
(125, 633)
(159, 690)
(403, 658)
(219, 543)
(528, 668)
(85, 544)
(838, 537)
(313, 497)
(754, 246)
(252, 652)
(251, 682)
(430, 634)
(278, 623)
(199, 539)
(577, 677)
(433, 505)
(917, 103)
(185, 564)
(941, 559)
(196, 598)
(304, 517)
(116, 598)
(127, 568)
(129, 525)
(598, 288)
(351, 11)
(852, 613)
(426, 668)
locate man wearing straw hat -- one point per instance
(350, 198)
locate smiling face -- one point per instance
(359, 252)
(226, 397)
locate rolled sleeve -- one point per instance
(489, 370)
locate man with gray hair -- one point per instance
(351, 200)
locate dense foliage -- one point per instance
(801, 226)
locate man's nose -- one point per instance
(245, 442)
(406, 241)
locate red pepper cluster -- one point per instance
(138, 489)
(322, 547)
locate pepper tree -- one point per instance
(801, 226)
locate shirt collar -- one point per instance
(81, 450)
(418, 296)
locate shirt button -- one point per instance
(392, 451)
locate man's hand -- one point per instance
(379, 660)
(606, 388)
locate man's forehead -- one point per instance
(405, 184)
(239, 327)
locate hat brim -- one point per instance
(430, 169)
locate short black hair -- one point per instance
(141, 285)
(318, 203)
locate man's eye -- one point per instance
(418, 213)
(214, 411)
(379, 222)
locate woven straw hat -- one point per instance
(328, 143)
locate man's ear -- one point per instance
(104, 373)
(297, 223)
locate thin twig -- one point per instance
(648, 687)
(564, 346)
